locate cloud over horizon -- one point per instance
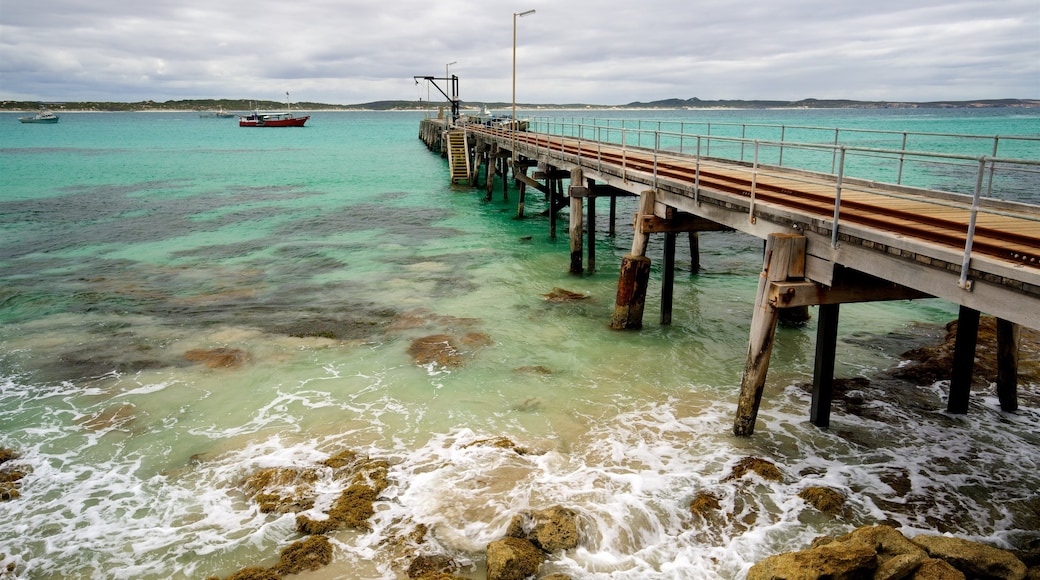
(575, 52)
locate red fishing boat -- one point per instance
(258, 119)
(285, 119)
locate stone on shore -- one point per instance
(933, 569)
(513, 559)
(974, 559)
(833, 561)
(551, 529)
(883, 553)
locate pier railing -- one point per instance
(936, 161)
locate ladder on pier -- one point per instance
(458, 157)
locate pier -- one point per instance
(841, 223)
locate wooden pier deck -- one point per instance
(831, 238)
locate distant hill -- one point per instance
(696, 103)
(692, 103)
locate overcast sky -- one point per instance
(570, 51)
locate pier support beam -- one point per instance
(695, 252)
(784, 260)
(668, 278)
(963, 360)
(576, 195)
(492, 168)
(823, 372)
(1007, 364)
(635, 273)
(590, 228)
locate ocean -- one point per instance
(185, 304)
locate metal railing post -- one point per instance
(657, 145)
(754, 181)
(837, 197)
(902, 156)
(835, 151)
(624, 156)
(697, 174)
(783, 130)
(970, 238)
(743, 135)
(992, 166)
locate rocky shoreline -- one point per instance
(872, 552)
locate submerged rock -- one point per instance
(251, 573)
(763, 467)
(561, 295)
(214, 358)
(513, 559)
(824, 499)
(551, 529)
(427, 566)
(281, 490)
(705, 505)
(445, 350)
(307, 554)
(10, 475)
(114, 417)
(498, 442)
(351, 509)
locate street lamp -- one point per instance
(515, 124)
(448, 84)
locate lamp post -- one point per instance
(515, 125)
(449, 86)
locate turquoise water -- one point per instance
(317, 256)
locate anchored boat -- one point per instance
(258, 119)
(284, 119)
(44, 116)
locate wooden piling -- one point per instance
(1007, 364)
(492, 168)
(668, 278)
(612, 217)
(554, 201)
(575, 230)
(523, 199)
(784, 260)
(506, 164)
(963, 360)
(635, 273)
(695, 252)
(823, 373)
(590, 227)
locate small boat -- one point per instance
(258, 119)
(285, 119)
(221, 114)
(44, 116)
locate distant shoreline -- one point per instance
(694, 104)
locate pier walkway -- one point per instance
(842, 223)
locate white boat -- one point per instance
(44, 116)
(220, 113)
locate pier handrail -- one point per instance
(671, 142)
(836, 131)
